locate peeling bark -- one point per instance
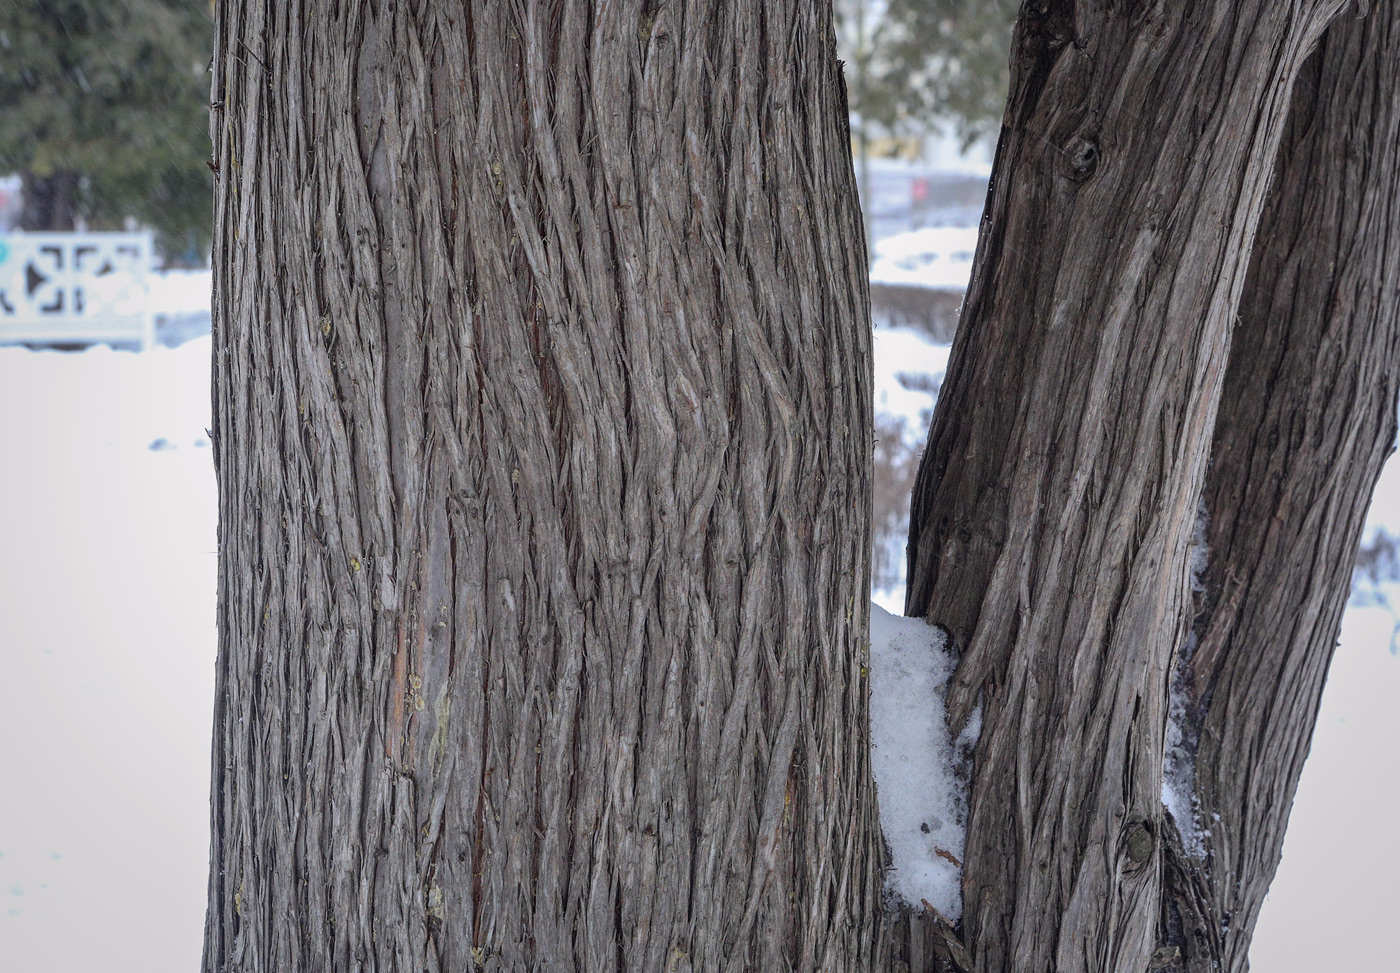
(1058, 493)
(543, 425)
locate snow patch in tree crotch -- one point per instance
(920, 769)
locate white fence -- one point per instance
(75, 287)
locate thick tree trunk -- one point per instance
(543, 429)
(1058, 495)
(49, 202)
(1307, 417)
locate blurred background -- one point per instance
(108, 504)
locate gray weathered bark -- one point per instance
(542, 424)
(1058, 495)
(1307, 417)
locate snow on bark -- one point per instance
(1183, 729)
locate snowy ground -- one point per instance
(106, 658)
(107, 517)
(939, 257)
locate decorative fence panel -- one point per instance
(75, 287)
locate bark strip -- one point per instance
(1058, 493)
(543, 429)
(1307, 418)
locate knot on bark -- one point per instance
(1137, 843)
(1080, 158)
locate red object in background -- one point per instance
(918, 192)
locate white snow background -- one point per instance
(107, 586)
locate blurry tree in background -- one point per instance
(913, 65)
(102, 113)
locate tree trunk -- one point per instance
(50, 202)
(1307, 417)
(1057, 498)
(543, 425)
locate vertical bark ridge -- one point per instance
(1307, 417)
(1057, 496)
(543, 435)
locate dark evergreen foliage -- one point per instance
(912, 64)
(103, 112)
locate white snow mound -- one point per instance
(923, 800)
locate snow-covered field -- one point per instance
(107, 525)
(107, 515)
